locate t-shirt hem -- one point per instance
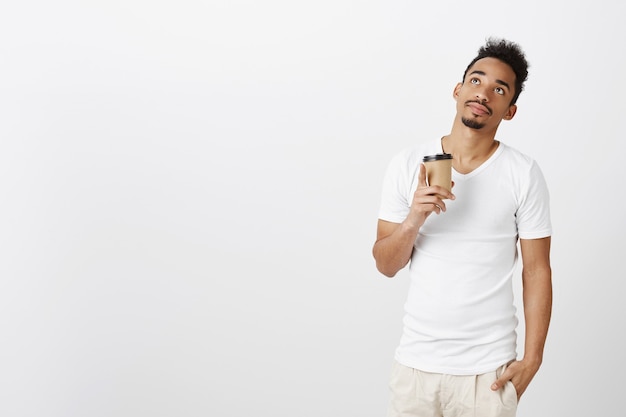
(455, 371)
(391, 219)
(535, 235)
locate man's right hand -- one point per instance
(394, 241)
(426, 200)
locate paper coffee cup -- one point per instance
(439, 170)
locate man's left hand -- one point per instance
(520, 373)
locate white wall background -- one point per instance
(189, 194)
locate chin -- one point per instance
(472, 124)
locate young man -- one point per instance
(457, 354)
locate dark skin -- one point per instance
(483, 101)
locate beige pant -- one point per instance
(421, 394)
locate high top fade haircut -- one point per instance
(511, 54)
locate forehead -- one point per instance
(494, 68)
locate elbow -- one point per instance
(389, 275)
(386, 271)
(385, 266)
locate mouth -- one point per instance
(478, 109)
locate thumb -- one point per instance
(421, 178)
(500, 382)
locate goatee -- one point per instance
(472, 124)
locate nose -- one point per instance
(482, 96)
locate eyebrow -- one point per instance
(504, 83)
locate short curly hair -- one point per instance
(508, 52)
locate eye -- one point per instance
(499, 90)
(475, 81)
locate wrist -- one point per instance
(412, 225)
(533, 360)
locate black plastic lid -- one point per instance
(437, 157)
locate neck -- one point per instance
(469, 148)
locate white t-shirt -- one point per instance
(460, 316)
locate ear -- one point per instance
(455, 92)
(510, 112)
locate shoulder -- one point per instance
(518, 161)
(516, 156)
(411, 156)
(523, 171)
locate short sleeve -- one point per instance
(395, 199)
(533, 213)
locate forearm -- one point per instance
(393, 251)
(537, 298)
(537, 307)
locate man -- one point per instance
(457, 354)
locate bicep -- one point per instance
(535, 253)
(536, 270)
